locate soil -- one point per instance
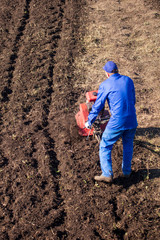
(51, 53)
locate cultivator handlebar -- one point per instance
(82, 116)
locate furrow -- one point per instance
(12, 61)
(28, 145)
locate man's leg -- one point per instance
(109, 137)
(127, 138)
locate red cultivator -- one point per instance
(82, 116)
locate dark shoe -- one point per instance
(103, 178)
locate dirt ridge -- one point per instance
(34, 157)
(7, 89)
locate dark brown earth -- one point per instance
(51, 53)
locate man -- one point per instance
(119, 92)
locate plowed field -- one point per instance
(51, 53)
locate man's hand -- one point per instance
(87, 125)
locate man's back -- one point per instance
(119, 92)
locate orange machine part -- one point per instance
(91, 96)
(81, 118)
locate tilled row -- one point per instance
(11, 36)
(31, 204)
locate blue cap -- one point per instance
(110, 66)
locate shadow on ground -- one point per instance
(136, 177)
(149, 132)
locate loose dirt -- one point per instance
(51, 53)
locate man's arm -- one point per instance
(98, 105)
